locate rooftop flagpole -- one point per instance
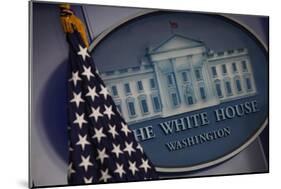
(173, 25)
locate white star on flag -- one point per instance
(83, 52)
(140, 148)
(125, 129)
(129, 148)
(87, 72)
(104, 92)
(116, 149)
(145, 165)
(69, 146)
(92, 93)
(70, 170)
(112, 131)
(104, 175)
(80, 120)
(99, 134)
(85, 162)
(102, 155)
(82, 141)
(75, 77)
(88, 180)
(119, 169)
(133, 167)
(96, 113)
(108, 111)
(77, 99)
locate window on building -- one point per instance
(234, 67)
(147, 67)
(218, 89)
(190, 100)
(230, 51)
(123, 71)
(238, 85)
(143, 104)
(152, 83)
(248, 84)
(224, 70)
(131, 108)
(240, 50)
(136, 68)
(189, 95)
(228, 88)
(220, 53)
(156, 103)
(171, 79)
(198, 74)
(184, 76)
(214, 71)
(175, 99)
(109, 72)
(202, 93)
(114, 90)
(140, 86)
(244, 66)
(127, 88)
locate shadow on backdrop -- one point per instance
(54, 110)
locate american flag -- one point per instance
(101, 146)
(173, 24)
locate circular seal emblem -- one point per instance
(193, 87)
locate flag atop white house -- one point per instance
(101, 146)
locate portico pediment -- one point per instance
(176, 42)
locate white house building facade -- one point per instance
(178, 76)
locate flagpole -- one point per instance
(173, 25)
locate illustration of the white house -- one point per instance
(177, 76)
